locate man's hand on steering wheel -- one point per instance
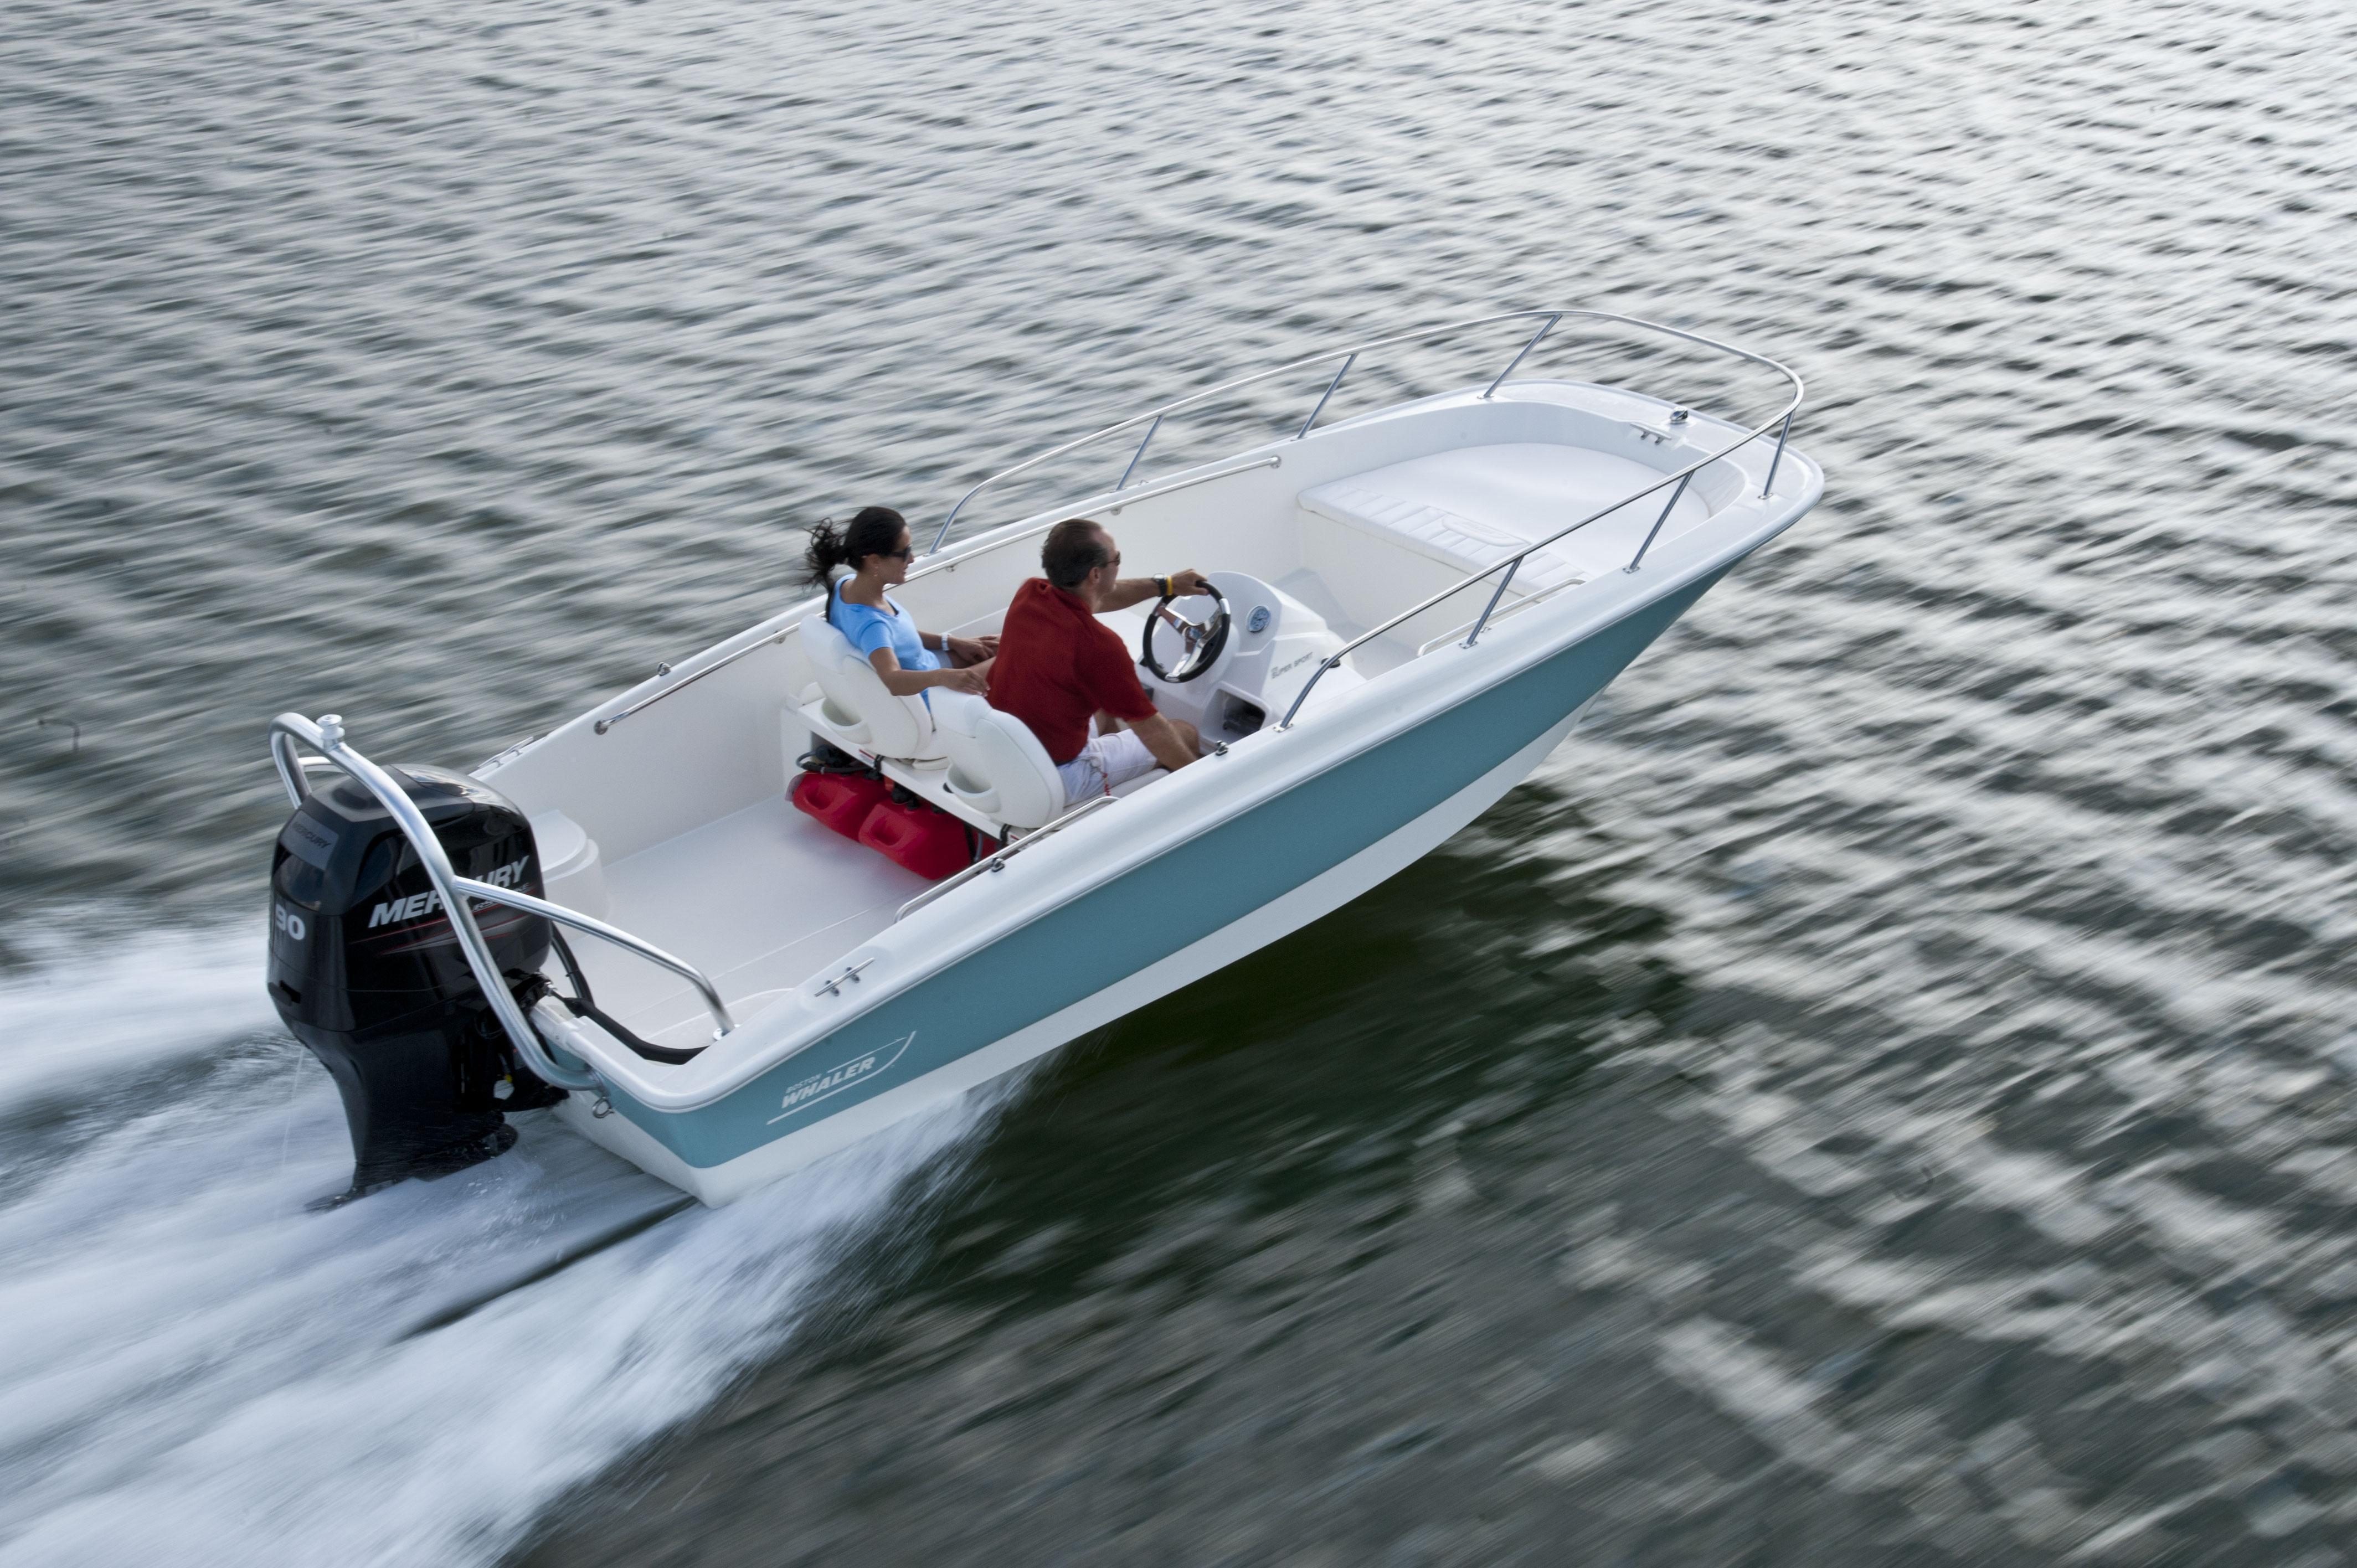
(1200, 642)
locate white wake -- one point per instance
(195, 1369)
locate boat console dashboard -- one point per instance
(1268, 648)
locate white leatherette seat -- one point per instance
(852, 708)
(997, 768)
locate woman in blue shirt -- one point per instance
(875, 546)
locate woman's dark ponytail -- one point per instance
(872, 530)
(826, 552)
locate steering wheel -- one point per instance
(1200, 640)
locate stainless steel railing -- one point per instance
(715, 668)
(1348, 353)
(1782, 421)
(1529, 601)
(327, 737)
(1349, 356)
(998, 862)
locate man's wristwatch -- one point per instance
(1164, 585)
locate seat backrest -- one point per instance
(887, 725)
(997, 767)
(823, 646)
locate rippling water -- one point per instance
(1883, 1092)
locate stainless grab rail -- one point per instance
(1654, 532)
(1457, 632)
(1323, 398)
(1782, 420)
(1346, 352)
(1139, 456)
(1536, 338)
(998, 861)
(614, 934)
(1152, 419)
(1114, 509)
(715, 668)
(1150, 492)
(289, 761)
(327, 737)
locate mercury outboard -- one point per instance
(366, 972)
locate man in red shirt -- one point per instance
(1067, 674)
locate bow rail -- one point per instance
(1780, 421)
(1343, 357)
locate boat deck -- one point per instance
(757, 900)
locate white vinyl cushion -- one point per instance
(997, 767)
(856, 705)
(1472, 506)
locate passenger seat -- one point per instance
(997, 767)
(855, 710)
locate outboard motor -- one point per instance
(366, 971)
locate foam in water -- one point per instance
(197, 1370)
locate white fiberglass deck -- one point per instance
(757, 900)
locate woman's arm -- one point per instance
(961, 650)
(964, 650)
(909, 682)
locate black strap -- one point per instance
(565, 956)
(647, 1048)
(584, 1005)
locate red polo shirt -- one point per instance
(1057, 665)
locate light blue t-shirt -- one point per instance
(869, 629)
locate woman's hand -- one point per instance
(909, 682)
(970, 649)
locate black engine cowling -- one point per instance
(366, 971)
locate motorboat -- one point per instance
(639, 920)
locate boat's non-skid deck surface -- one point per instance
(1468, 508)
(757, 900)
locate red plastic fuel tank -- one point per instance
(841, 800)
(931, 844)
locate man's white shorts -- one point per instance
(1106, 761)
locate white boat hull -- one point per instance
(1321, 896)
(1369, 551)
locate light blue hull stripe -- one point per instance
(1121, 928)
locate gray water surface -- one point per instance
(1881, 1094)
